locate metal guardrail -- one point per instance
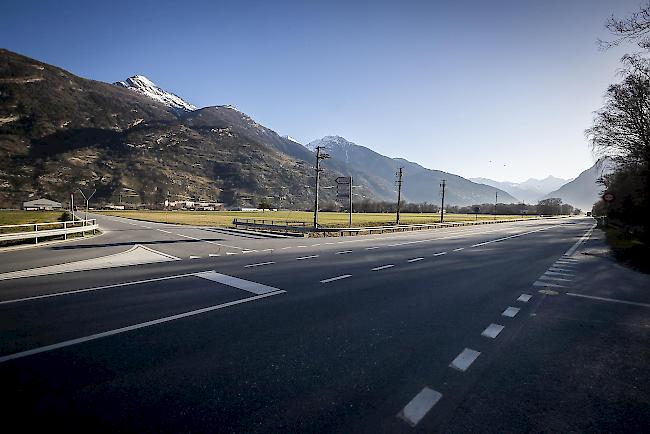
(39, 230)
(289, 227)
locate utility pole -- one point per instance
(496, 199)
(399, 191)
(350, 201)
(319, 156)
(442, 205)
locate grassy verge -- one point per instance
(328, 219)
(29, 218)
(629, 249)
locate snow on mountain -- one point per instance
(146, 87)
(291, 138)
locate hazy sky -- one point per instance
(499, 89)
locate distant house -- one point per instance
(41, 204)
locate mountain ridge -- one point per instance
(420, 184)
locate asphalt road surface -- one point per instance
(209, 330)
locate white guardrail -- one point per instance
(40, 230)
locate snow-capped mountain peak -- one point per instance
(146, 87)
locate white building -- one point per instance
(41, 204)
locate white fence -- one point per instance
(43, 230)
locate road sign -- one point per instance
(608, 196)
(344, 180)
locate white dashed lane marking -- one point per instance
(524, 298)
(259, 264)
(344, 252)
(194, 257)
(458, 249)
(463, 361)
(492, 331)
(440, 254)
(372, 248)
(419, 406)
(383, 267)
(558, 279)
(510, 312)
(547, 284)
(212, 255)
(415, 260)
(306, 257)
(332, 279)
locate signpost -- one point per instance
(344, 189)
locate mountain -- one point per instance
(530, 191)
(420, 184)
(584, 190)
(144, 86)
(60, 132)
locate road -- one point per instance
(430, 331)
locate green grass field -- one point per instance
(329, 219)
(26, 217)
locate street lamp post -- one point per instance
(87, 203)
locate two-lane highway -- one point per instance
(383, 333)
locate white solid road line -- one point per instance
(306, 257)
(344, 252)
(96, 288)
(419, 406)
(136, 255)
(132, 327)
(512, 236)
(383, 267)
(492, 331)
(210, 242)
(162, 230)
(463, 361)
(415, 260)
(510, 312)
(259, 264)
(235, 282)
(611, 300)
(332, 279)
(573, 248)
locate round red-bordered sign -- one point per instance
(608, 196)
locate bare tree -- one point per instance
(621, 128)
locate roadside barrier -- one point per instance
(39, 231)
(302, 229)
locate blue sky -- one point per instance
(499, 89)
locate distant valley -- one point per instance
(60, 132)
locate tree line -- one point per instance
(550, 206)
(621, 130)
